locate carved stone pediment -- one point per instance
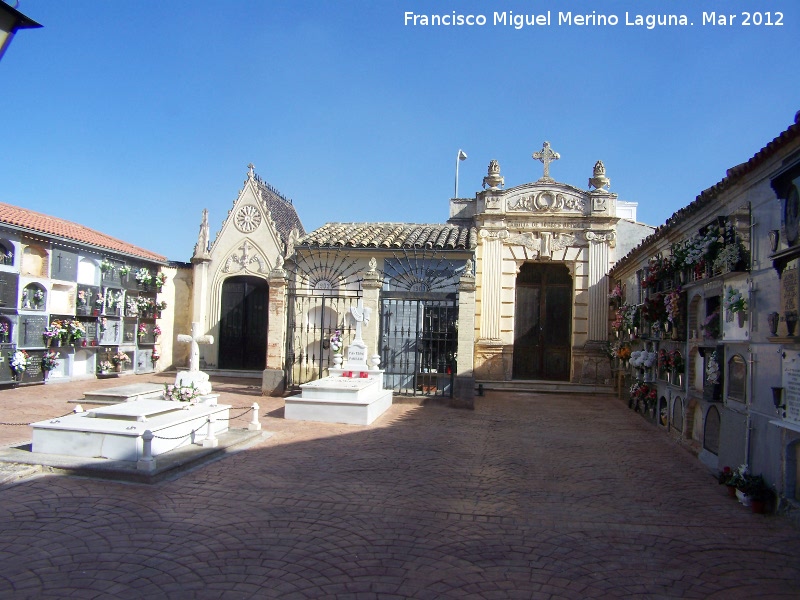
(247, 259)
(543, 244)
(544, 201)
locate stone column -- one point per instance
(464, 383)
(371, 286)
(200, 290)
(273, 381)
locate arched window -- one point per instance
(663, 412)
(34, 297)
(711, 431)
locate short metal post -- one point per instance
(254, 425)
(211, 441)
(147, 462)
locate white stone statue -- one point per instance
(194, 376)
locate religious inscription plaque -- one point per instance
(112, 334)
(6, 350)
(65, 265)
(791, 385)
(91, 327)
(33, 374)
(144, 360)
(31, 330)
(8, 290)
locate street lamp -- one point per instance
(10, 21)
(461, 156)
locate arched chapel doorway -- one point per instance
(243, 324)
(542, 322)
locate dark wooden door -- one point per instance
(243, 324)
(542, 318)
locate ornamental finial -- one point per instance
(599, 179)
(493, 178)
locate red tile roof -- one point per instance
(34, 222)
(393, 235)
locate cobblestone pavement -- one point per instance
(528, 496)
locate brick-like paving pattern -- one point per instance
(526, 497)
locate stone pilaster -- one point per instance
(464, 383)
(491, 283)
(273, 380)
(200, 290)
(371, 286)
(594, 365)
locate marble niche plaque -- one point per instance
(789, 294)
(128, 333)
(791, 385)
(112, 334)
(91, 330)
(64, 265)
(8, 289)
(31, 329)
(33, 374)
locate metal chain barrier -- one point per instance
(193, 431)
(72, 412)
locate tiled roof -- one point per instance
(34, 222)
(732, 178)
(282, 210)
(393, 235)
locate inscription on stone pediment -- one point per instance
(545, 201)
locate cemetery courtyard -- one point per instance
(527, 496)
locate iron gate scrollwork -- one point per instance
(419, 322)
(323, 285)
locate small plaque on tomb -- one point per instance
(791, 385)
(8, 289)
(129, 332)
(91, 329)
(144, 360)
(6, 376)
(64, 265)
(112, 334)
(33, 373)
(31, 330)
(789, 290)
(111, 276)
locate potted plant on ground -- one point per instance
(49, 362)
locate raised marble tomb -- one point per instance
(352, 393)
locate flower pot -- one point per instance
(731, 491)
(740, 316)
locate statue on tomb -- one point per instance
(194, 376)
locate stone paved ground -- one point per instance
(526, 497)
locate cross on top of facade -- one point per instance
(546, 155)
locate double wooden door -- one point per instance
(542, 319)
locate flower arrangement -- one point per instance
(131, 306)
(626, 317)
(55, 329)
(105, 366)
(142, 330)
(675, 361)
(734, 301)
(642, 359)
(663, 360)
(672, 304)
(155, 356)
(710, 326)
(624, 353)
(5, 330)
(76, 330)
(727, 259)
(712, 369)
(120, 358)
(642, 395)
(106, 265)
(160, 279)
(161, 305)
(124, 270)
(181, 393)
(336, 342)
(113, 299)
(98, 300)
(615, 297)
(156, 331)
(49, 360)
(103, 324)
(38, 297)
(143, 276)
(82, 299)
(19, 362)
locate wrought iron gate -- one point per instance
(419, 342)
(323, 285)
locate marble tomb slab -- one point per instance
(115, 432)
(124, 393)
(335, 399)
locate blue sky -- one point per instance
(131, 117)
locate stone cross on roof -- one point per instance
(546, 155)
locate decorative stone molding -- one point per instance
(602, 237)
(493, 234)
(545, 201)
(247, 218)
(243, 262)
